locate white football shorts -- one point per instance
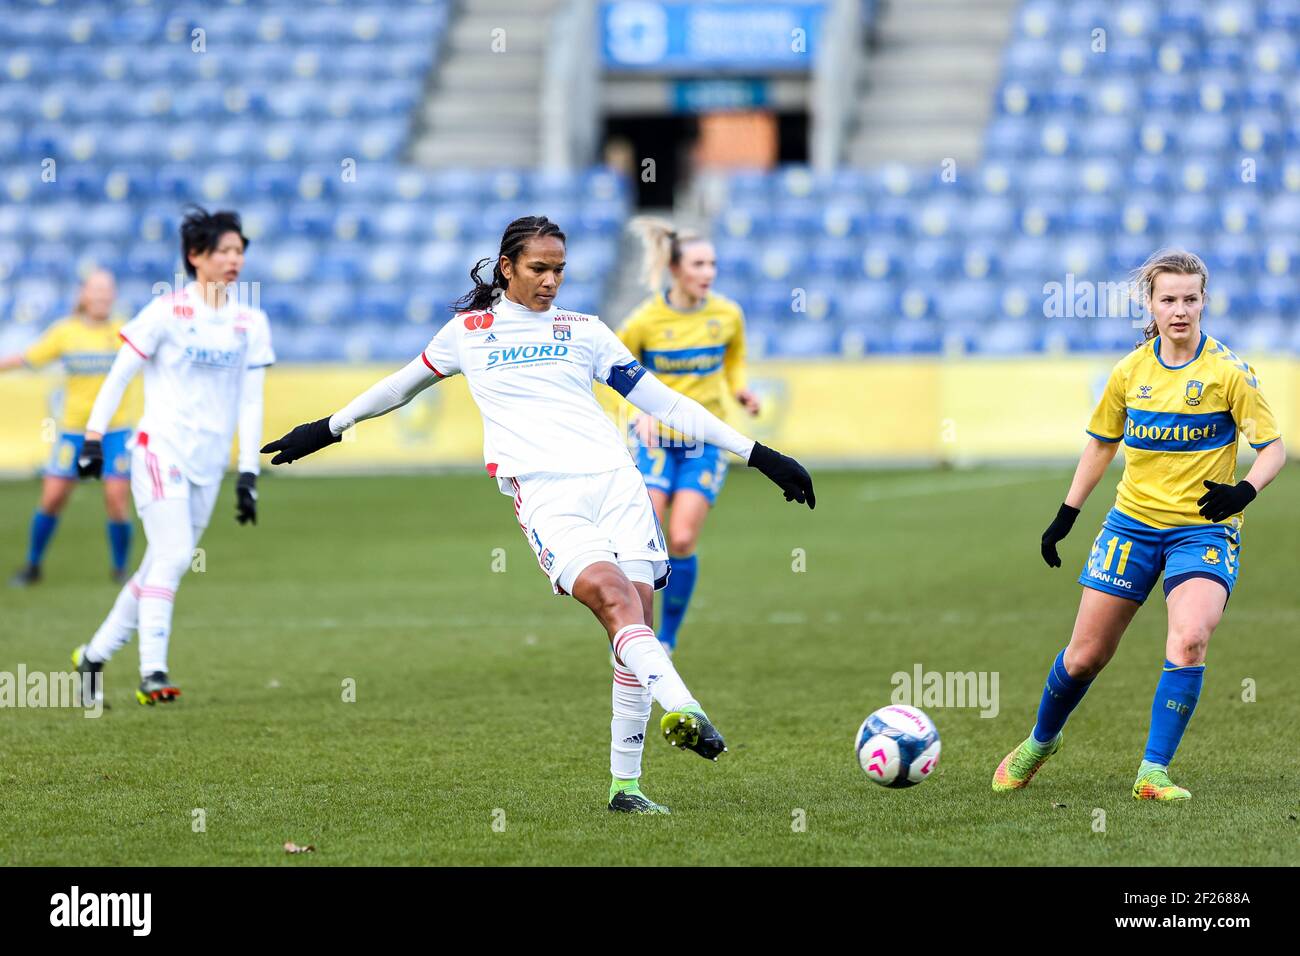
(574, 521)
(156, 473)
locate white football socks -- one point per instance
(120, 623)
(639, 651)
(627, 728)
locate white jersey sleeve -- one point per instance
(611, 361)
(260, 353)
(442, 354)
(384, 396)
(686, 415)
(125, 367)
(147, 331)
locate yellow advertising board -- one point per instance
(869, 412)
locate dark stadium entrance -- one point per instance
(678, 143)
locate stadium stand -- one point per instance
(1116, 127)
(1077, 184)
(112, 115)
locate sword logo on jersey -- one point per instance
(526, 355)
(1194, 391)
(214, 358)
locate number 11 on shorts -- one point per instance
(1123, 549)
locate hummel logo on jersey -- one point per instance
(1144, 391)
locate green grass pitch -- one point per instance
(480, 729)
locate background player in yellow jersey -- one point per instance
(1179, 403)
(694, 340)
(85, 342)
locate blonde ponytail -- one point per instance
(661, 246)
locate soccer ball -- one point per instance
(897, 746)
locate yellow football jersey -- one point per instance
(86, 350)
(699, 353)
(1179, 425)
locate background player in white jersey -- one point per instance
(578, 495)
(204, 355)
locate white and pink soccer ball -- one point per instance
(897, 746)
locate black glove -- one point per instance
(302, 441)
(790, 476)
(90, 463)
(1221, 502)
(1056, 531)
(246, 498)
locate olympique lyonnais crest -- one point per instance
(562, 332)
(1193, 393)
(174, 475)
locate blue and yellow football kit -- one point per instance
(1180, 425)
(701, 354)
(86, 350)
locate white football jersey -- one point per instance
(530, 374)
(194, 373)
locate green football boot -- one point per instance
(1018, 767)
(625, 796)
(690, 729)
(92, 673)
(1154, 784)
(156, 688)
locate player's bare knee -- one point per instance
(116, 500)
(54, 496)
(1187, 645)
(681, 544)
(1085, 661)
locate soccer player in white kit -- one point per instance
(204, 354)
(578, 495)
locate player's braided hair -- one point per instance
(1177, 261)
(484, 295)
